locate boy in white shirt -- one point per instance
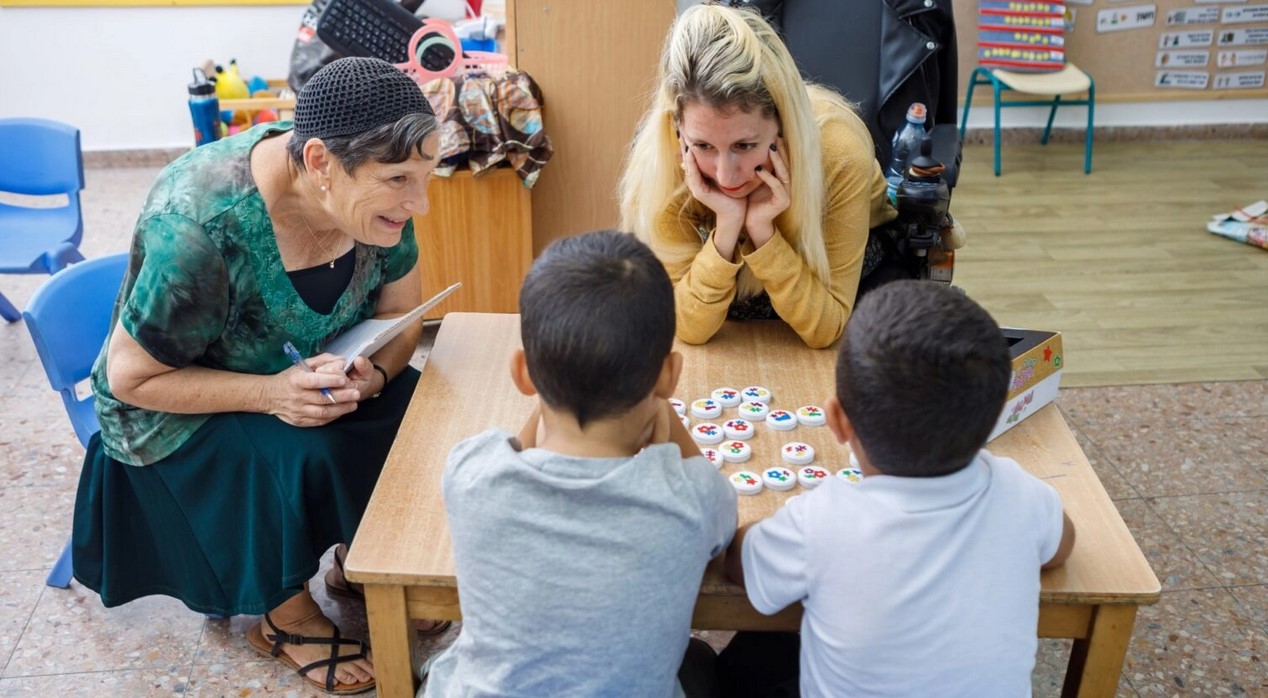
(923, 579)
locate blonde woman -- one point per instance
(756, 190)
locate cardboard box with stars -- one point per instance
(1037, 362)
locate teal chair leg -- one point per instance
(1091, 105)
(968, 103)
(1052, 113)
(995, 83)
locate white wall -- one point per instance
(119, 73)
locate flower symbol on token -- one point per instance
(776, 474)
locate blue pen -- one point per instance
(299, 361)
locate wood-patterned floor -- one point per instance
(1119, 260)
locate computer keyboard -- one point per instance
(374, 28)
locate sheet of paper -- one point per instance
(368, 336)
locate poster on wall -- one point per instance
(1184, 39)
(1123, 18)
(1254, 36)
(1193, 15)
(1182, 79)
(1239, 81)
(1242, 15)
(1234, 59)
(1182, 59)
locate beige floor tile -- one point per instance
(141, 683)
(1227, 532)
(1193, 643)
(1116, 486)
(1174, 456)
(1250, 438)
(36, 526)
(71, 632)
(1254, 600)
(1147, 403)
(19, 593)
(1175, 565)
(1051, 662)
(250, 679)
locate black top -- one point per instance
(321, 286)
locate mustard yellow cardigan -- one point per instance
(855, 202)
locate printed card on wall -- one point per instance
(1182, 59)
(1242, 15)
(1186, 39)
(1182, 79)
(1124, 18)
(1193, 15)
(1239, 81)
(1234, 59)
(1254, 36)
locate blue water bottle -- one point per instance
(204, 107)
(906, 144)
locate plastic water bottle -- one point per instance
(204, 108)
(906, 143)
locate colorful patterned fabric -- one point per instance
(1021, 36)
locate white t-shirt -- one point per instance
(912, 586)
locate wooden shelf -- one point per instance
(479, 231)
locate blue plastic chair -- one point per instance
(39, 157)
(69, 318)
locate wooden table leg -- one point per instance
(1096, 662)
(391, 638)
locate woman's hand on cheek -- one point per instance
(723, 206)
(294, 395)
(768, 201)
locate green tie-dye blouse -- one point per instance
(206, 287)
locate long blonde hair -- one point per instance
(727, 59)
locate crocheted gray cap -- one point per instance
(353, 95)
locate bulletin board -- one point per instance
(1154, 50)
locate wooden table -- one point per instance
(404, 556)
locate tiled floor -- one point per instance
(1187, 466)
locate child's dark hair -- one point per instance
(597, 321)
(922, 374)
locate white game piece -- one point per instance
(707, 433)
(797, 453)
(736, 451)
(755, 393)
(727, 397)
(706, 409)
(781, 420)
(745, 482)
(754, 410)
(679, 406)
(741, 429)
(811, 476)
(853, 475)
(811, 416)
(686, 423)
(714, 456)
(779, 479)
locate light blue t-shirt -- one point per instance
(557, 557)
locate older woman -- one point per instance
(222, 472)
(756, 190)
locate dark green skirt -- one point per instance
(237, 519)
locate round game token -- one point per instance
(727, 397)
(714, 456)
(738, 429)
(779, 479)
(686, 423)
(679, 406)
(755, 393)
(797, 453)
(781, 420)
(754, 409)
(706, 409)
(811, 476)
(736, 451)
(707, 433)
(811, 416)
(745, 482)
(853, 475)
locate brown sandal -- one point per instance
(260, 642)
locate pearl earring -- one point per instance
(323, 187)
